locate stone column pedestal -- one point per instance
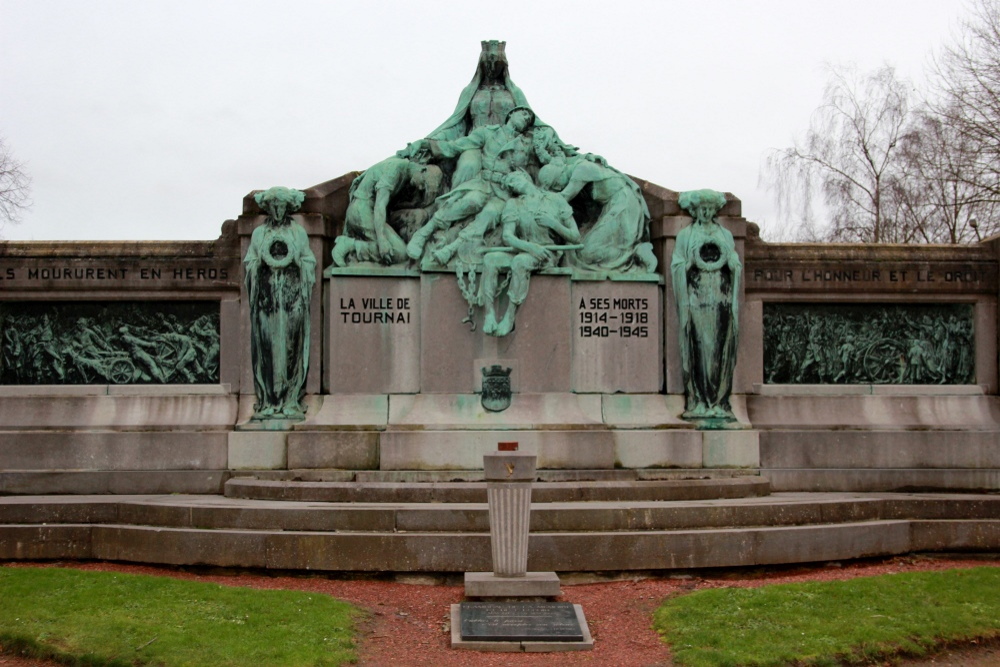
(509, 476)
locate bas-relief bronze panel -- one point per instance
(807, 343)
(121, 342)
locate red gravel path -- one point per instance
(409, 624)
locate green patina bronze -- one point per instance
(706, 276)
(868, 344)
(280, 273)
(617, 242)
(439, 203)
(474, 206)
(109, 343)
(535, 223)
(410, 188)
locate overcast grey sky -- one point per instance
(152, 119)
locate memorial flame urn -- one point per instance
(509, 476)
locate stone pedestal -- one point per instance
(509, 476)
(394, 331)
(514, 625)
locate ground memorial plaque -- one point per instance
(520, 621)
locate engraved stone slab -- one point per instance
(617, 337)
(121, 266)
(827, 274)
(373, 335)
(520, 621)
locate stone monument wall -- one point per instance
(119, 365)
(857, 366)
(873, 366)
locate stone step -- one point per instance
(436, 476)
(475, 492)
(120, 482)
(470, 552)
(902, 480)
(215, 512)
(84, 482)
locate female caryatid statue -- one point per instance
(280, 273)
(706, 275)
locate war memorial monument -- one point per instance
(317, 388)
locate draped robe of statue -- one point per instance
(706, 272)
(619, 239)
(280, 273)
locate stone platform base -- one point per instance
(916, 458)
(119, 439)
(402, 432)
(531, 585)
(454, 537)
(475, 492)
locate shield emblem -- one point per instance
(496, 388)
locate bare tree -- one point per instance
(850, 155)
(937, 195)
(968, 82)
(15, 186)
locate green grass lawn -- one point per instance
(106, 618)
(823, 623)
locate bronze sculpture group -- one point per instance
(494, 193)
(447, 196)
